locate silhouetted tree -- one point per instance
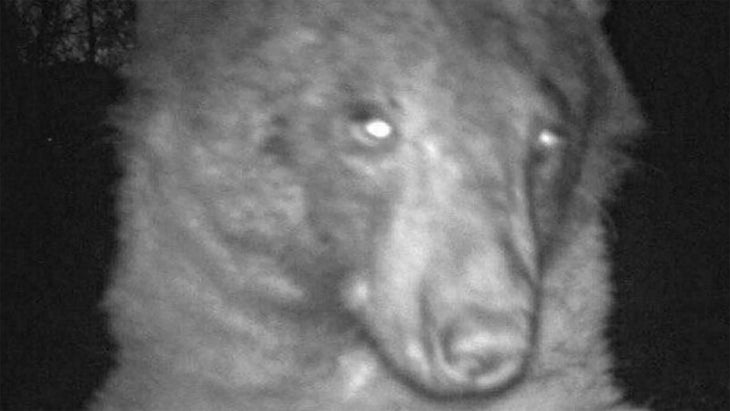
(51, 31)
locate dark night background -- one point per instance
(670, 235)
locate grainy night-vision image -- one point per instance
(486, 205)
(367, 205)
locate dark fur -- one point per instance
(275, 254)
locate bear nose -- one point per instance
(480, 351)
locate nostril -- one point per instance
(469, 355)
(481, 354)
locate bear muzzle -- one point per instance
(477, 350)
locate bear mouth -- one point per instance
(475, 351)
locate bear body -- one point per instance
(367, 205)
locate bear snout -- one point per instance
(478, 350)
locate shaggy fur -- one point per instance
(367, 205)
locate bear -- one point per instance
(367, 205)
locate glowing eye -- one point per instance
(549, 140)
(378, 129)
(373, 132)
(548, 153)
(371, 128)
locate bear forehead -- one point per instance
(404, 32)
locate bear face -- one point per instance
(367, 205)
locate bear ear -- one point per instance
(594, 9)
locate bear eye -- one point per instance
(549, 140)
(374, 131)
(548, 152)
(370, 128)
